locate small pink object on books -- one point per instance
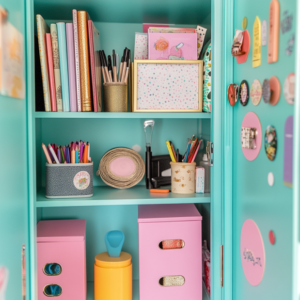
(172, 46)
(51, 72)
(147, 25)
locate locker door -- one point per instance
(13, 170)
(261, 206)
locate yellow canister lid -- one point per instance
(103, 260)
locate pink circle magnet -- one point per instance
(272, 237)
(271, 142)
(251, 136)
(252, 251)
(266, 91)
(289, 88)
(255, 92)
(275, 90)
(233, 93)
(244, 93)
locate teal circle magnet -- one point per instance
(271, 142)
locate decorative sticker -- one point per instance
(255, 92)
(266, 91)
(233, 93)
(82, 180)
(252, 252)
(264, 33)
(244, 93)
(271, 179)
(288, 153)
(245, 22)
(256, 56)
(272, 237)
(3, 281)
(290, 46)
(271, 142)
(168, 86)
(201, 32)
(286, 23)
(141, 46)
(289, 88)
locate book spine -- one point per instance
(92, 65)
(57, 79)
(41, 29)
(77, 67)
(86, 99)
(71, 67)
(51, 72)
(62, 47)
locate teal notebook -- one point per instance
(63, 59)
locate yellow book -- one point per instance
(170, 151)
(85, 80)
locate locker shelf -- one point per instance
(137, 195)
(126, 115)
(135, 291)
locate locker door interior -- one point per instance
(259, 148)
(13, 153)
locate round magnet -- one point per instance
(233, 93)
(266, 91)
(271, 142)
(244, 93)
(272, 237)
(289, 88)
(271, 179)
(275, 90)
(251, 120)
(244, 24)
(255, 92)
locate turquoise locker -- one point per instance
(13, 176)
(247, 193)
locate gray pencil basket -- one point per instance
(69, 180)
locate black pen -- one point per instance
(114, 66)
(109, 68)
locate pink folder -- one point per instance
(94, 47)
(71, 67)
(51, 72)
(172, 46)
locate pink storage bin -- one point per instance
(166, 222)
(62, 242)
(172, 46)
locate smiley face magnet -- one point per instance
(271, 142)
(255, 92)
(244, 93)
(233, 93)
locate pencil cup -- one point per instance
(183, 177)
(69, 180)
(115, 97)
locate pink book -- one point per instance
(94, 47)
(172, 46)
(71, 67)
(77, 68)
(51, 72)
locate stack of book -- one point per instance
(70, 64)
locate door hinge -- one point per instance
(222, 264)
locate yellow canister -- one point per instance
(113, 277)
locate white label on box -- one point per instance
(82, 180)
(200, 180)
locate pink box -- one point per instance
(165, 222)
(62, 242)
(172, 46)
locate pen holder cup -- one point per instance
(69, 180)
(115, 97)
(183, 177)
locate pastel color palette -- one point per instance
(251, 120)
(252, 252)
